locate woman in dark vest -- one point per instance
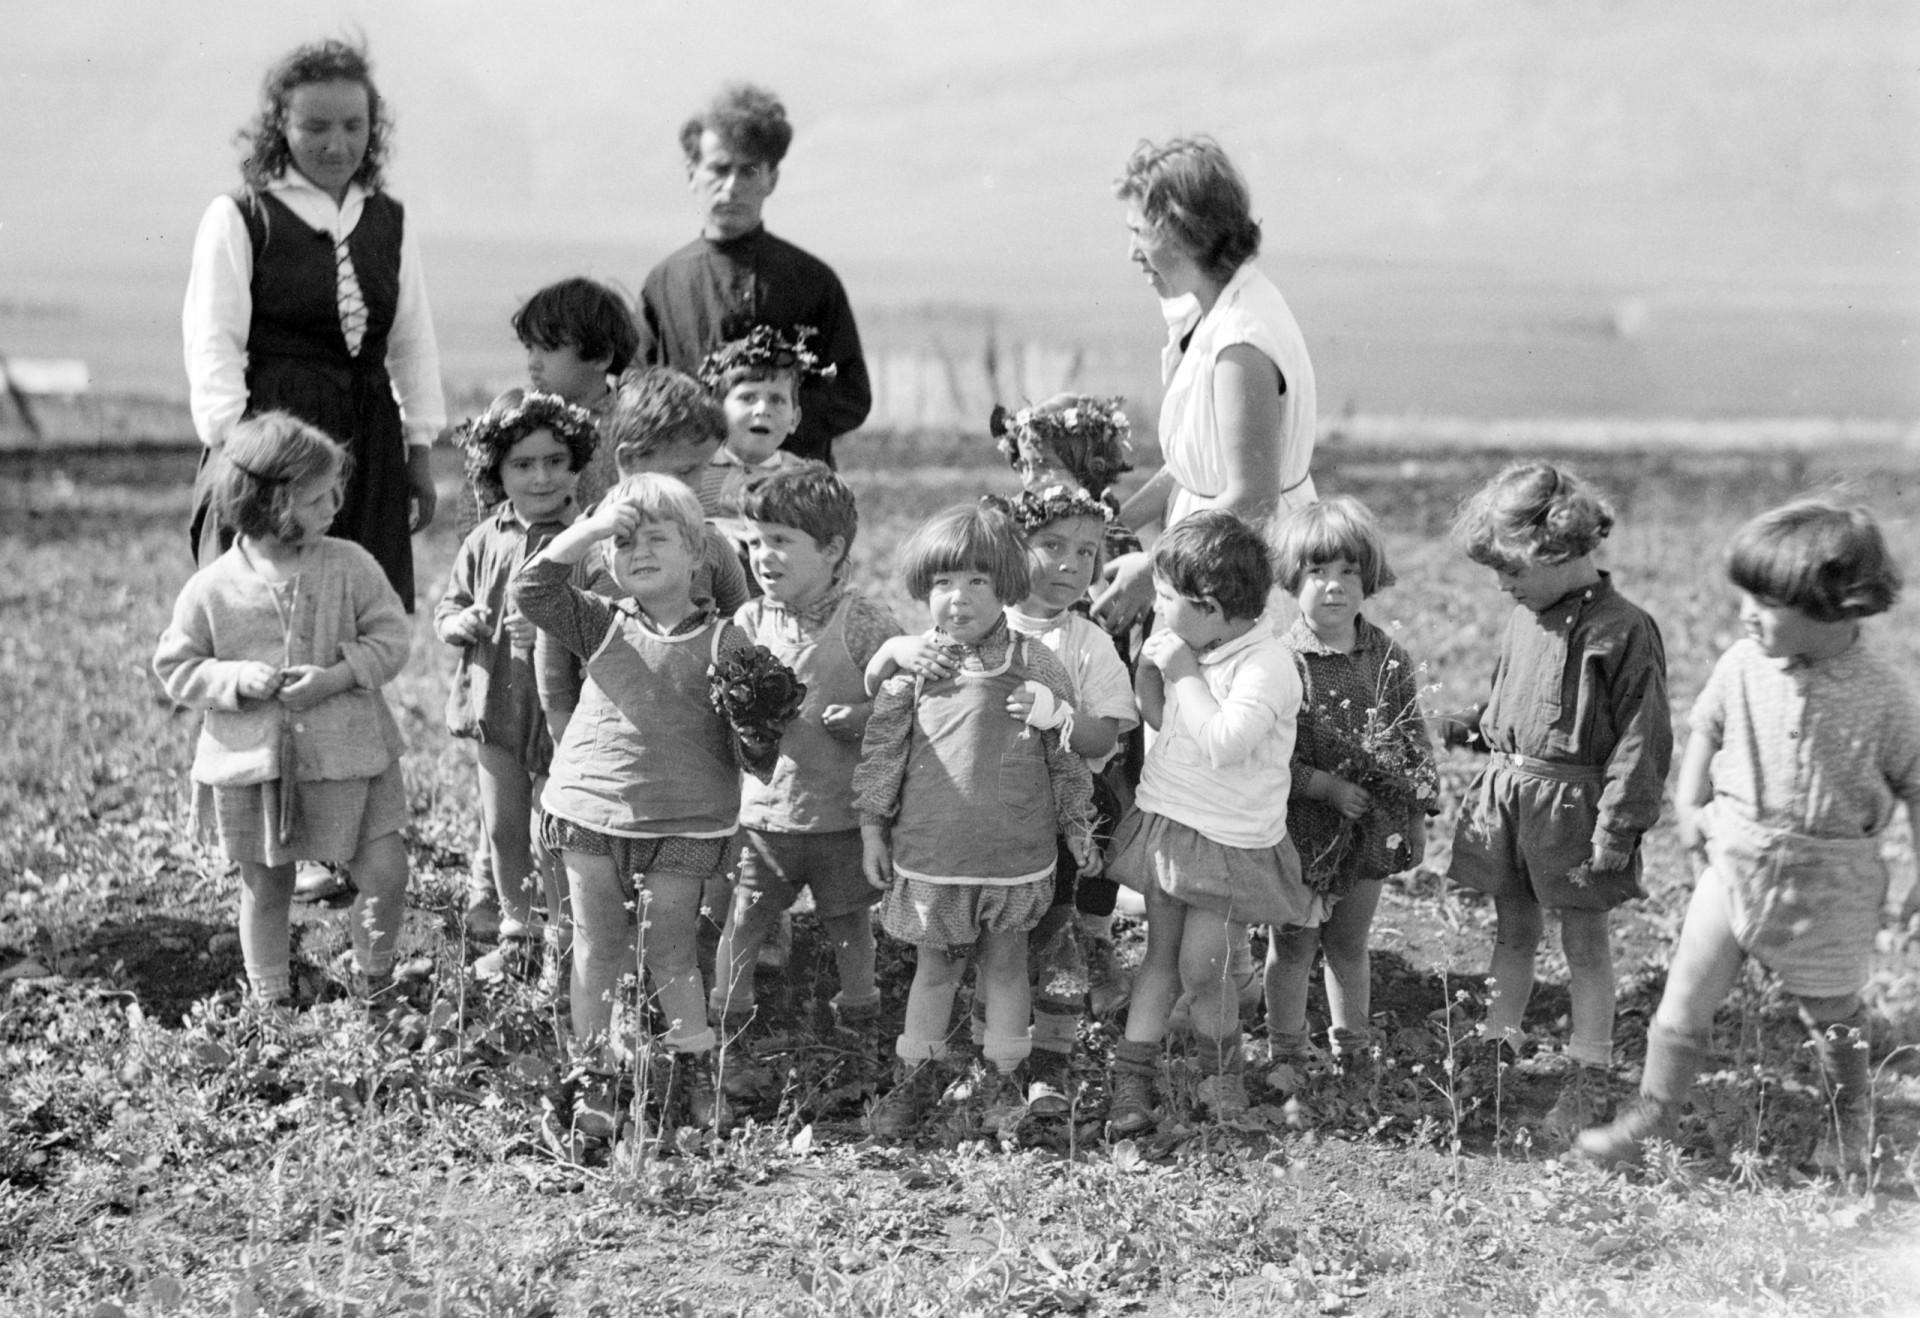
(306, 295)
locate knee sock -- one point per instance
(1006, 1051)
(1673, 1060)
(1055, 1029)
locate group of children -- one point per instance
(685, 714)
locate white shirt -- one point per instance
(218, 313)
(1101, 687)
(1250, 310)
(1228, 777)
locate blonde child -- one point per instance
(1363, 776)
(1083, 442)
(523, 461)
(801, 827)
(1579, 731)
(1065, 530)
(285, 641)
(965, 782)
(644, 793)
(1802, 744)
(1207, 844)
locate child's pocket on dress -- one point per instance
(1025, 792)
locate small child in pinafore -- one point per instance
(644, 795)
(1803, 743)
(1065, 530)
(801, 827)
(964, 785)
(285, 641)
(523, 461)
(1079, 441)
(1207, 843)
(1580, 736)
(1363, 775)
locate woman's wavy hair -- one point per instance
(333, 60)
(1190, 192)
(1532, 513)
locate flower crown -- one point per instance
(486, 438)
(765, 348)
(1097, 423)
(1056, 503)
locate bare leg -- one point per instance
(1003, 983)
(506, 810)
(266, 896)
(1516, 938)
(1206, 950)
(1158, 982)
(1349, 974)
(753, 916)
(603, 945)
(1290, 954)
(936, 977)
(379, 871)
(853, 953)
(669, 910)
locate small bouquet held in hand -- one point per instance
(758, 696)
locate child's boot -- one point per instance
(1222, 1090)
(917, 1086)
(1585, 1100)
(696, 1087)
(742, 1074)
(1845, 1141)
(1130, 1088)
(1673, 1059)
(1049, 1082)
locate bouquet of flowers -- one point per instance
(1387, 756)
(758, 696)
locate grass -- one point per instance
(167, 1148)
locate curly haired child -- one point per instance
(285, 641)
(1363, 775)
(523, 461)
(1580, 736)
(1207, 842)
(1803, 743)
(965, 782)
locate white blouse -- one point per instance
(1250, 310)
(218, 313)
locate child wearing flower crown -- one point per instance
(1803, 742)
(523, 461)
(1065, 529)
(1207, 841)
(644, 793)
(756, 380)
(285, 641)
(801, 828)
(1363, 776)
(1580, 736)
(964, 784)
(1084, 442)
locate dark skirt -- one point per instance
(356, 407)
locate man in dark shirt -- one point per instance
(736, 275)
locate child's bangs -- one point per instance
(968, 539)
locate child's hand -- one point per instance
(922, 656)
(470, 626)
(614, 519)
(1350, 799)
(846, 722)
(1168, 653)
(1606, 859)
(258, 681)
(1086, 855)
(305, 685)
(520, 631)
(1020, 703)
(876, 857)
(1692, 830)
